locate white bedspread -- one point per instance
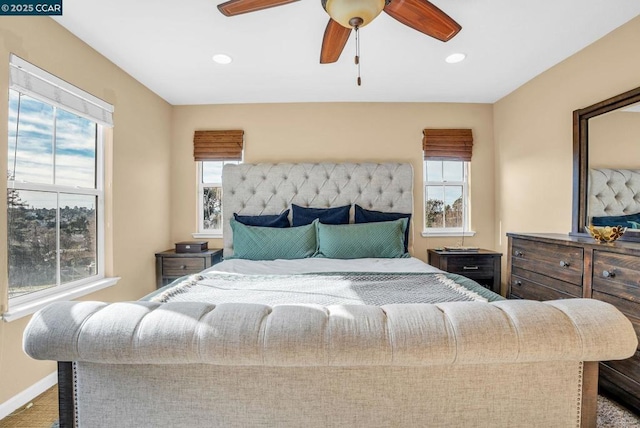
(316, 264)
(239, 275)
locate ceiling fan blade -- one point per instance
(424, 17)
(237, 7)
(335, 37)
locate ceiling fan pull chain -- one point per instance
(358, 54)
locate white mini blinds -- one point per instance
(37, 83)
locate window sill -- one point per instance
(199, 235)
(444, 233)
(28, 308)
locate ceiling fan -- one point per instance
(347, 15)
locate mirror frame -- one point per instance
(581, 156)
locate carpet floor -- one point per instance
(44, 414)
(613, 415)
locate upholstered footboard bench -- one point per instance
(461, 364)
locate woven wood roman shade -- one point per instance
(218, 145)
(447, 144)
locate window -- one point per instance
(210, 196)
(447, 156)
(211, 151)
(55, 196)
(445, 195)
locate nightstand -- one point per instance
(483, 266)
(171, 265)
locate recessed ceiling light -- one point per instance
(222, 59)
(456, 57)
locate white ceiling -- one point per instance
(168, 45)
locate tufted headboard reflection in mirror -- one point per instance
(606, 157)
(613, 192)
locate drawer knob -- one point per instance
(608, 274)
(518, 253)
(564, 264)
(470, 268)
(517, 282)
(183, 267)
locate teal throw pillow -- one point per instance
(269, 243)
(383, 239)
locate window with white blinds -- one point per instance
(55, 189)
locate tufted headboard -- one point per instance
(613, 192)
(264, 188)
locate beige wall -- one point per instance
(533, 131)
(338, 132)
(614, 140)
(138, 194)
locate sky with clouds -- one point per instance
(447, 171)
(32, 147)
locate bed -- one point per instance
(347, 335)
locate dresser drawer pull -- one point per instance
(183, 267)
(518, 253)
(470, 267)
(608, 274)
(564, 264)
(517, 283)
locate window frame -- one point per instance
(465, 229)
(22, 305)
(202, 232)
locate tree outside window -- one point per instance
(445, 194)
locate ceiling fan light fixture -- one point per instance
(344, 11)
(455, 58)
(223, 59)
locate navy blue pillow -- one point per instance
(368, 216)
(617, 220)
(276, 220)
(303, 216)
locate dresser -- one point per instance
(556, 266)
(171, 265)
(483, 266)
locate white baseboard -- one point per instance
(24, 397)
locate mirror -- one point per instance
(605, 135)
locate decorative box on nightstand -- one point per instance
(171, 265)
(483, 266)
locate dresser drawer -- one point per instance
(472, 266)
(620, 386)
(555, 261)
(182, 265)
(525, 281)
(617, 274)
(630, 308)
(629, 367)
(562, 289)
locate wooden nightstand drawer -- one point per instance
(482, 266)
(171, 265)
(471, 266)
(182, 266)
